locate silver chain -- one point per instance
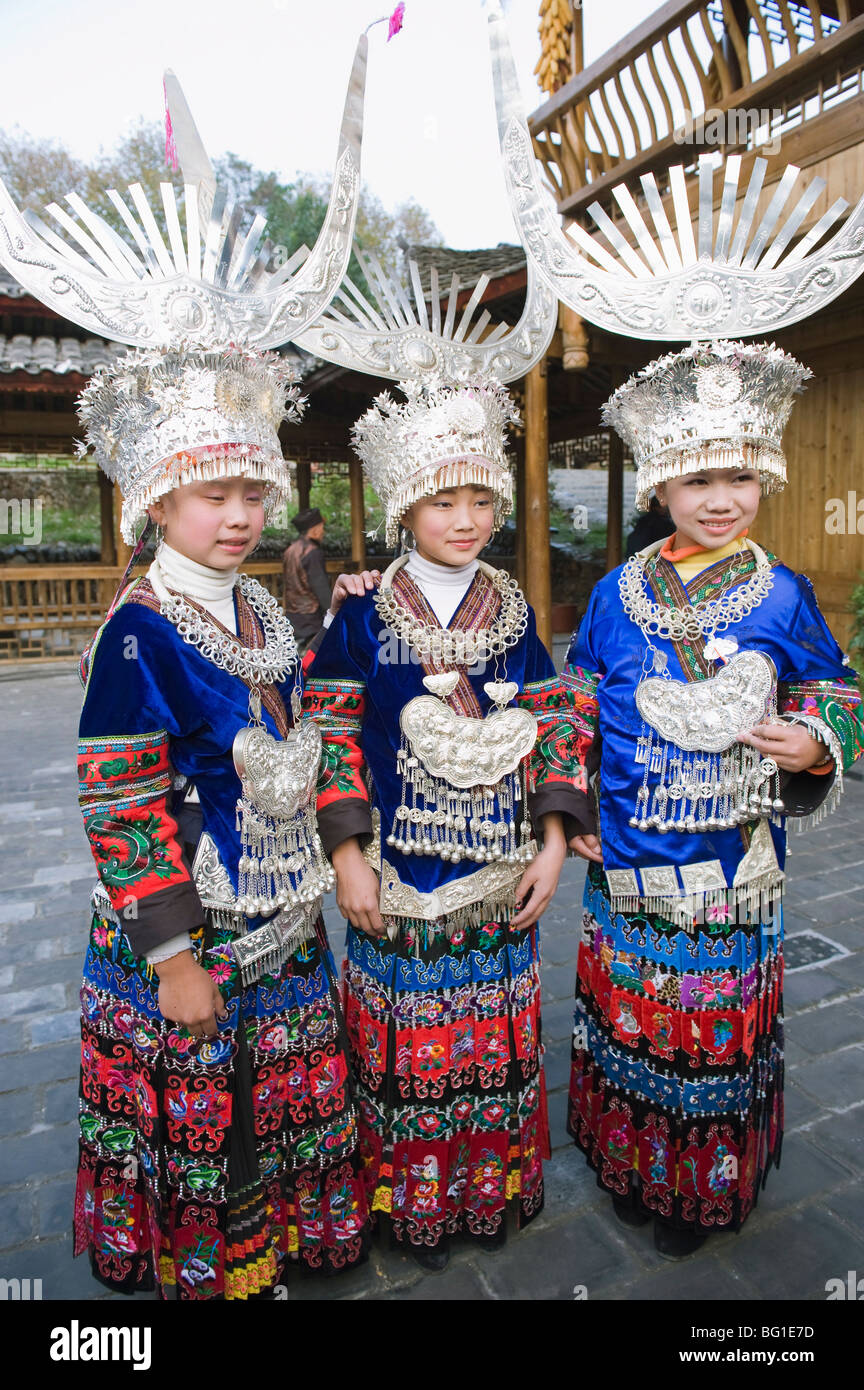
(701, 619)
(267, 665)
(445, 647)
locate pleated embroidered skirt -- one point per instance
(207, 1168)
(445, 1043)
(676, 1094)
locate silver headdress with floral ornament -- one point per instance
(163, 417)
(714, 405)
(445, 434)
(200, 397)
(733, 278)
(451, 428)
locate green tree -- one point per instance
(38, 172)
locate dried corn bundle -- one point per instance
(555, 67)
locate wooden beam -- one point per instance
(106, 520)
(538, 586)
(574, 339)
(615, 503)
(358, 514)
(521, 522)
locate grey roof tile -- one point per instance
(60, 356)
(468, 265)
(9, 287)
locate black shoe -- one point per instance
(495, 1241)
(673, 1244)
(433, 1258)
(627, 1214)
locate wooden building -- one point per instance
(771, 78)
(50, 610)
(798, 63)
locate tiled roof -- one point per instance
(9, 287)
(468, 265)
(21, 353)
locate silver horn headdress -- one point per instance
(717, 404)
(211, 283)
(452, 369)
(200, 397)
(729, 281)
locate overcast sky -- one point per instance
(266, 79)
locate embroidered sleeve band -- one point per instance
(124, 787)
(343, 799)
(557, 778)
(834, 704)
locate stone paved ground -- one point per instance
(809, 1225)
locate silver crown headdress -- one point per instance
(714, 405)
(163, 417)
(445, 434)
(729, 281)
(199, 398)
(451, 429)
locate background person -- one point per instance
(306, 596)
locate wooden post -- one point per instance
(538, 586)
(574, 340)
(615, 502)
(521, 558)
(358, 514)
(577, 61)
(106, 520)
(304, 485)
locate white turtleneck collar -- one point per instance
(213, 589)
(442, 586)
(188, 577)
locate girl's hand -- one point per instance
(357, 889)
(188, 996)
(587, 847)
(358, 584)
(539, 880)
(790, 745)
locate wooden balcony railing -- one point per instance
(48, 612)
(643, 104)
(51, 611)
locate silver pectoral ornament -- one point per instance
(462, 778)
(702, 776)
(282, 861)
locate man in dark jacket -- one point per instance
(307, 588)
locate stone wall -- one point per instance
(73, 488)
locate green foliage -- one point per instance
(74, 525)
(856, 607)
(332, 494)
(37, 172)
(37, 463)
(587, 543)
(296, 211)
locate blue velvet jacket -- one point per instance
(605, 664)
(357, 686)
(158, 717)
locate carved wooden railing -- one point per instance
(641, 104)
(48, 612)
